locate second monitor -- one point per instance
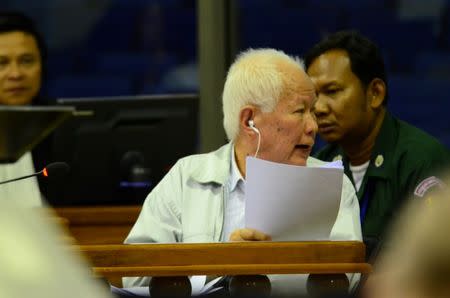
(119, 148)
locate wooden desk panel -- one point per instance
(99, 224)
(100, 234)
(235, 258)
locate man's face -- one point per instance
(20, 68)
(287, 133)
(341, 108)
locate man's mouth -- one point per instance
(303, 146)
(16, 89)
(326, 127)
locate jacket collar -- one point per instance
(382, 154)
(235, 175)
(214, 167)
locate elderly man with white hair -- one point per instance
(268, 111)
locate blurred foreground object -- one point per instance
(416, 262)
(35, 262)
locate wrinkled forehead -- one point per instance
(295, 100)
(298, 85)
(299, 99)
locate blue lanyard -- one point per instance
(364, 204)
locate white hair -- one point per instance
(254, 78)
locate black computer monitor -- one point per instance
(119, 148)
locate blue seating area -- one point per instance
(432, 64)
(261, 27)
(147, 46)
(421, 101)
(90, 86)
(130, 47)
(416, 50)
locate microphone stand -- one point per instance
(20, 178)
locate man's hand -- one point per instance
(249, 235)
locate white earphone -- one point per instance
(252, 126)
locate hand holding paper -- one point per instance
(249, 235)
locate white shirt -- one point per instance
(358, 173)
(25, 192)
(234, 216)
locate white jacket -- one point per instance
(187, 205)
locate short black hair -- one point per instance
(15, 21)
(366, 61)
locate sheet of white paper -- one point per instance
(197, 284)
(292, 203)
(132, 292)
(209, 287)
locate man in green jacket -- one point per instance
(387, 159)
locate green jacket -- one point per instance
(405, 162)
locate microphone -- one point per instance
(54, 169)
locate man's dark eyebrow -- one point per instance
(27, 54)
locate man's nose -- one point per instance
(14, 71)
(321, 106)
(311, 126)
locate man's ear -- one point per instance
(247, 113)
(376, 92)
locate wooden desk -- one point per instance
(99, 224)
(232, 258)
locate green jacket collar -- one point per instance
(381, 157)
